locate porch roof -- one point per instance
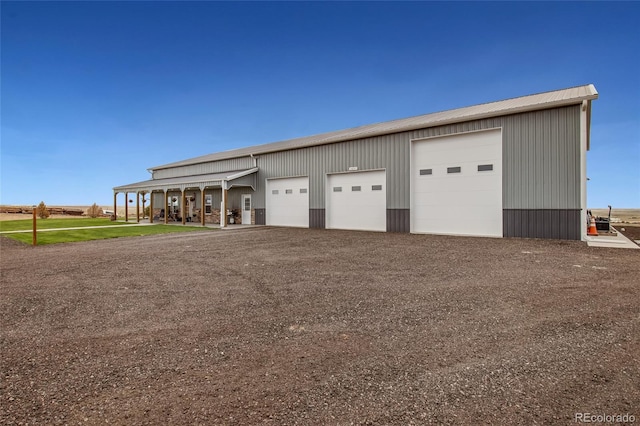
(212, 180)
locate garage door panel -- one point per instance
(288, 202)
(455, 200)
(357, 205)
(464, 201)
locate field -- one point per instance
(620, 215)
(289, 326)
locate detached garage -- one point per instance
(510, 168)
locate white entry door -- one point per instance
(357, 200)
(456, 184)
(288, 202)
(246, 209)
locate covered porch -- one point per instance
(222, 198)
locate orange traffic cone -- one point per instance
(593, 231)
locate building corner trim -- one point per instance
(584, 138)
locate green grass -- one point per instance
(26, 224)
(68, 236)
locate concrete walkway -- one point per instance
(617, 241)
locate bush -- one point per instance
(42, 211)
(94, 211)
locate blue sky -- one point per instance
(94, 93)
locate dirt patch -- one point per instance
(288, 326)
(630, 231)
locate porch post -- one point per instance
(202, 208)
(115, 205)
(137, 207)
(126, 206)
(166, 210)
(151, 207)
(182, 206)
(223, 210)
(143, 201)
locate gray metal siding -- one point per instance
(388, 152)
(317, 218)
(241, 163)
(561, 224)
(158, 200)
(541, 152)
(541, 158)
(261, 218)
(398, 220)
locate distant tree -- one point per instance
(42, 211)
(94, 211)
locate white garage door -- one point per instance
(357, 200)
(456, 184)
(288, 202)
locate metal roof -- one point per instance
(184, 182)
(563, 97)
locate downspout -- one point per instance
(584, 146)
(150, 206)
(255, 160)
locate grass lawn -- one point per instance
(68, 236)
(26, 224)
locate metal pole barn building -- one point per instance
(512, 168)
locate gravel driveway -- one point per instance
(292, 326)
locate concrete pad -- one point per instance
(617, 241)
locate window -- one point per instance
(275, 192)
(208, 201)
(337, 189)
(425, 172)
(356, 188)
(303, 190)
(376, 187)
(454, 169)
(485, 167)
(288, 191)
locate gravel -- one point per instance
(291, 326)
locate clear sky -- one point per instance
(95, 93)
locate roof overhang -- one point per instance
(212, 180)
